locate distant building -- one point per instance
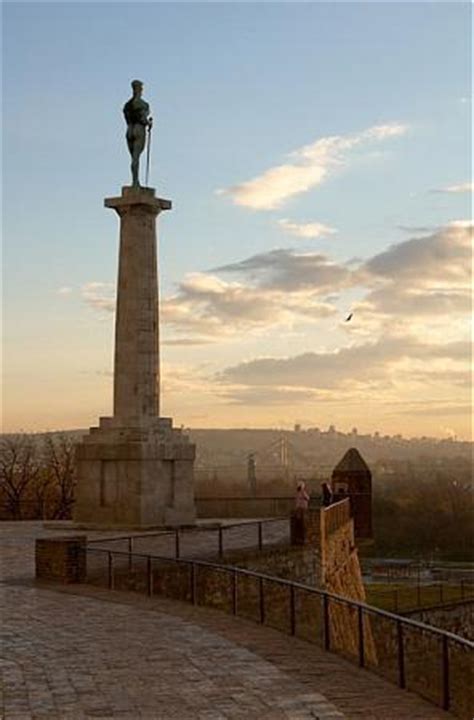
(297, 427)
(352, 478)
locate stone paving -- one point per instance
(88, 653)
(71, 657)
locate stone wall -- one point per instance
(340, 568)
(341, 574)
(300, 564)
(423, 664)
(456, 617)
(61, 559)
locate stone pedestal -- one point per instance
(135, 469)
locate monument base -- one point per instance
(137, 473)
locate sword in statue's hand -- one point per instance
(148, 146)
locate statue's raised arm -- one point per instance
(137, 117)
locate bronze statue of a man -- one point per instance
(137, 117)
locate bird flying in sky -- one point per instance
(349, 317)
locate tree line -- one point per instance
(36, 476)
(421, 508)
(425, 509)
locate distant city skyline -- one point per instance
(318, 156)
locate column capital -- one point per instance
(137, 197)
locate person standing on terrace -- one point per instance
(302, 497)
(326, 494)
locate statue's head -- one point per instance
(137, 87)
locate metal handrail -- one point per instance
(465, 589)
(299, 586)
(162, 533)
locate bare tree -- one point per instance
(41, 492)
(58, 458)
(19, 470)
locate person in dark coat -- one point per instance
(326, 494)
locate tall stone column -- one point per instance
(135, 469)
(137, 351)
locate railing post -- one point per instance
(221, 541)
(395, 600)
(111, 571)
(292, 611)
(441, 592)
(261, 600)
(445, 651)
(260, 536)
(149, 576)
(130, 550)
(327, 629)
(401, 655)
(234, 592)
(360, 623)
(193, 584)
(418, 594)
(176, 542)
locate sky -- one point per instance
(318, 157)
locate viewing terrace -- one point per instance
(93, 650)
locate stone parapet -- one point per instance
(456, 617)
(299, 564)
(305, 527)
(61, 559)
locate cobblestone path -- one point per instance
(66, 656)
(86, 653)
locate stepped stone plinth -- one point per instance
(135, 469)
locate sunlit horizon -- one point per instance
(316, 175)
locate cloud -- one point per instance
(402, 301)
(356, 367)
(267, 396)
(443, 255)
(215, 308)
(409, 289)
(417, 228)
(308, 167)
(467, 187)
(287, 270)
(186, 341)
(416, 297)
(307, 230)
(425, 276)
(278, 288)
(99, 295)
(65, 290)
(434, 408)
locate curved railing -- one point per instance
(434, 663)
(413, 597)
(250, 534)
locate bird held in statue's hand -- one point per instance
(349, 317)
